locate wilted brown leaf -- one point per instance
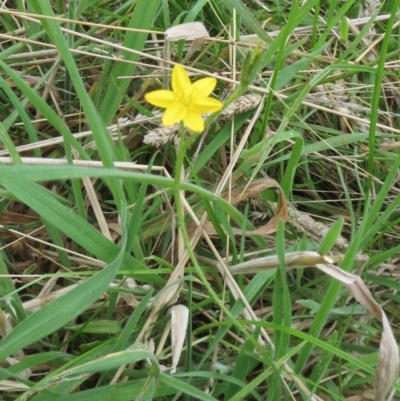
(388, 363)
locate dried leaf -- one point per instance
(5, 324)
(10, 385)
(292, 260)
(24, 374)
(179, 322)
(188, 31)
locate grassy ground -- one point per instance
(129, 250)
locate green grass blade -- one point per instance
(331, 237)
(142, 18)
(290, 171)
(244, 364)
(181, 386)
(281, 307)
(130, 325)
(135, 353)
(9, 145)
(380, 68)
(21, 113)
(7, 290)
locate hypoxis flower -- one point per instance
(186, 102)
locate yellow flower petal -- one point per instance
(160, 98)
(181, 84)
(186, 102)
(175, 112)
(194, 121)
(204, 86)
(206, 105)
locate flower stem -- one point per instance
(182, 147)
(179, 168)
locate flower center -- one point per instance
(188, 97)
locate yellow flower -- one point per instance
(186, 102)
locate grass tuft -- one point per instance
(255, 261)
